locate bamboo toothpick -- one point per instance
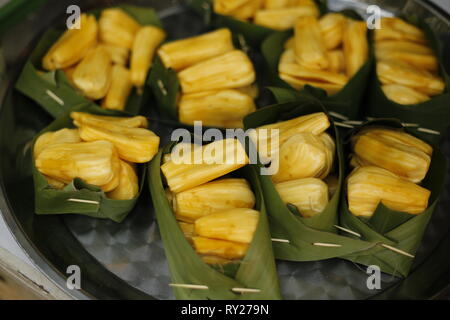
(348, 231)
(338, 115)
(330, 245)
(397, 250)
(406, 124)
(203, 287)
(353, 122)
(340, 124)
(243, 43)
(189, 286)
(280, 240)
(425, 130)
(54, 97)
(83, 201)
(245, 290)
(161, 87)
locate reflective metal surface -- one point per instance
(127, 260)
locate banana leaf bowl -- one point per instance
(127, 260)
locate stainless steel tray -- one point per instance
(127, 260)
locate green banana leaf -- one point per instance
(303, 233)
(165, 87)
(253, 34)
(433, 114)
(52, 201)
(53, 91)
(346, 102)
(398, 229)
(256, 271)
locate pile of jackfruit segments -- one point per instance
(303, 160)
(104, 59)
(273, 14)
(407, 67)
(325, 53)
(389, 166)
(216, 79)
(215, 210)
(102, 151)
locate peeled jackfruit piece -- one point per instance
(285, 18)
(119, 55)
(203, 164)
(299, 83)
(279, 4)
(54, 137)
(427, 61)
(269, 137)
(298, 71)
(118, 28)
(309, 45)
(145, 43)
(211, 197)
(215, 108)
(94, 162)
(181, 54)
(119, 90)
(230, 70)
(69, 73)
(88, 119)
(337, 61)
(393, 28)
(309, 195)
(400, 72)
(304, 155)
(398, 136)
(403, 46)
(287, 57)
(136, 145)
(247, 10)
(73, 45)
(225, 249)
(332, 27)
(396, 151)
(128, 187)
(92, 76)
(403, 95)
(368, 186)
(355, 46)
(236, 225)
(251, 90)
(226, 7)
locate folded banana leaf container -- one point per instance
(52, 89)
(433, 114)
(251, 33)
(255, 271)
(78, 197)
(346, 102)
(389, 228)
(127, 260)
(316, 238)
